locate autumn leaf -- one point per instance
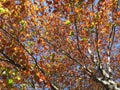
(3, 0)
(104, 30)
(118, 13)
(59, 44)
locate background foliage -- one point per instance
(60, 44)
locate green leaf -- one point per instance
(22, 87)
(10, 82)
(29, 50)
(71, 33)
(30, 43)
(45, 57)
(96, 16)
(92, 26)
(84, 39)
(92, 31)
(52, 57)
(2, 10)
(67, 22)
(23, 23)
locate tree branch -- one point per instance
(20, 44)
(9, 60)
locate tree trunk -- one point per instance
(108, 84)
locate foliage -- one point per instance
(59, 44)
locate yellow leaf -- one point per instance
(38, 74)
(18, 78)
(48, 65)
(104, 30)
(15, 48)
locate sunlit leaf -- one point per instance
(84, 39)
(23, 23)
(10, 82)
(59, 44)
(67, 22)
(2, 10)
(71, 33)
(18, 78)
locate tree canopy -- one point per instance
(60, 44)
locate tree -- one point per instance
(60, 44)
